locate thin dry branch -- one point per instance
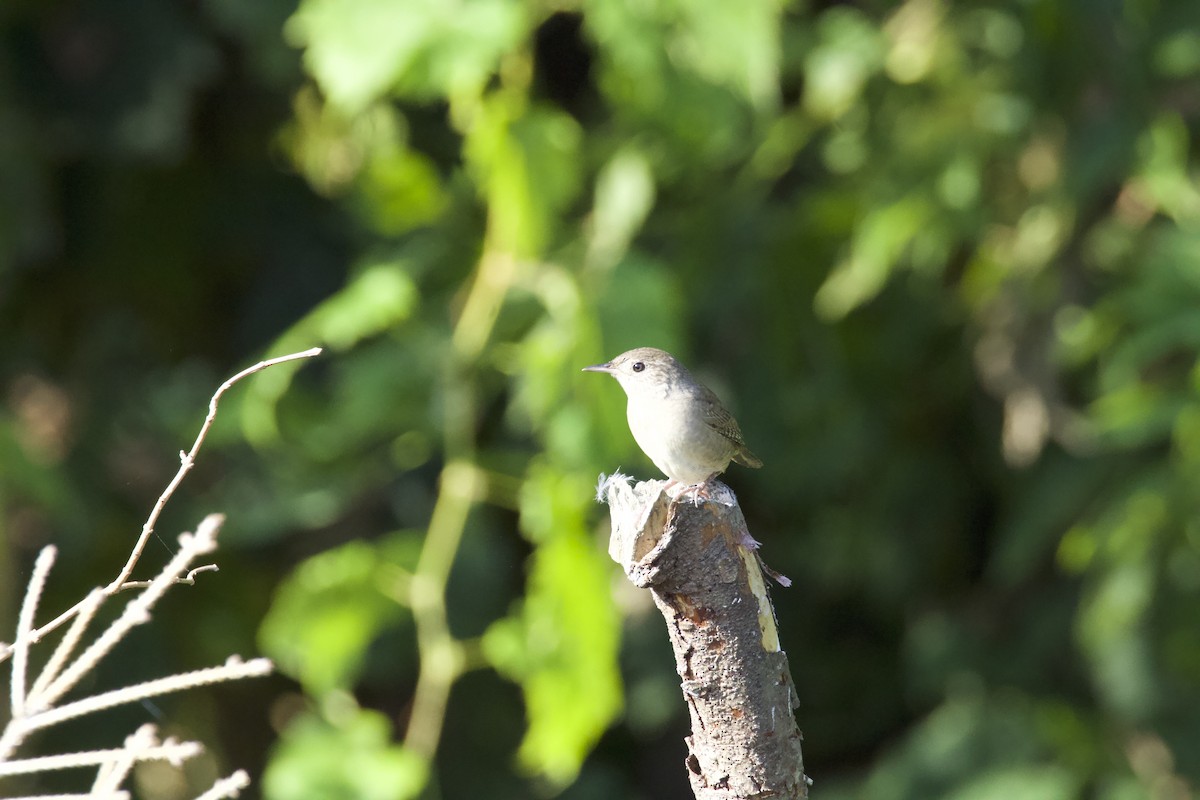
(232, 670)
(33, 593)
(90, 605)
(187, 461)
(230, 786)
(112, 773)
(186, 580)
(35, 710)
(170, 751)
(35, 707)
(137, 612)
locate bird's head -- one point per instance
(643, 372)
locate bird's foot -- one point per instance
(698, 491)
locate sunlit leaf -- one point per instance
(352, 758)
(526, 167)
(358, 50)
(624, 196)
(561, 646)
(379, 297)
(851, 49)
(329, 611)
(878, 244)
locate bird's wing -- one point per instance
(717, 417)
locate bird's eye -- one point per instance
(638, 366)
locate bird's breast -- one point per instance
(676, 438)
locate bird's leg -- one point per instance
(699, 491)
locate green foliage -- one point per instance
(381, 296)
(352, 757)
(331, 608)
(562, 643)
(359, 51)
(940, 257)
(521, 162)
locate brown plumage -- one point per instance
(678, 422)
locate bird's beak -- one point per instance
(606, 367)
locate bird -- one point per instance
(676, 420)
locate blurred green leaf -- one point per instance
(526, 165)
(734, 46)
(850, 50)
(562, 643)
(329, 611)
(881, 240)
(695, 74)
(1111, 629)
(1032, 782)
(624, 196)
(401, 190)
(379, 297)
(1178, 55)
(360, 50)
(352, 758)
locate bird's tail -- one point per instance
(747, 459)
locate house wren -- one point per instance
(679, 423)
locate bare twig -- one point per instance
(34, 708)
(170, 751)
(231, 670)
(112, 772)
(88, 608)
(137, 612)
(33, 593)
(229, 786)
(187, 460)
(187, 580)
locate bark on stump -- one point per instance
(707, 583)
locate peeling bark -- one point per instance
(699, 563)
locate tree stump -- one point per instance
(700, 564)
